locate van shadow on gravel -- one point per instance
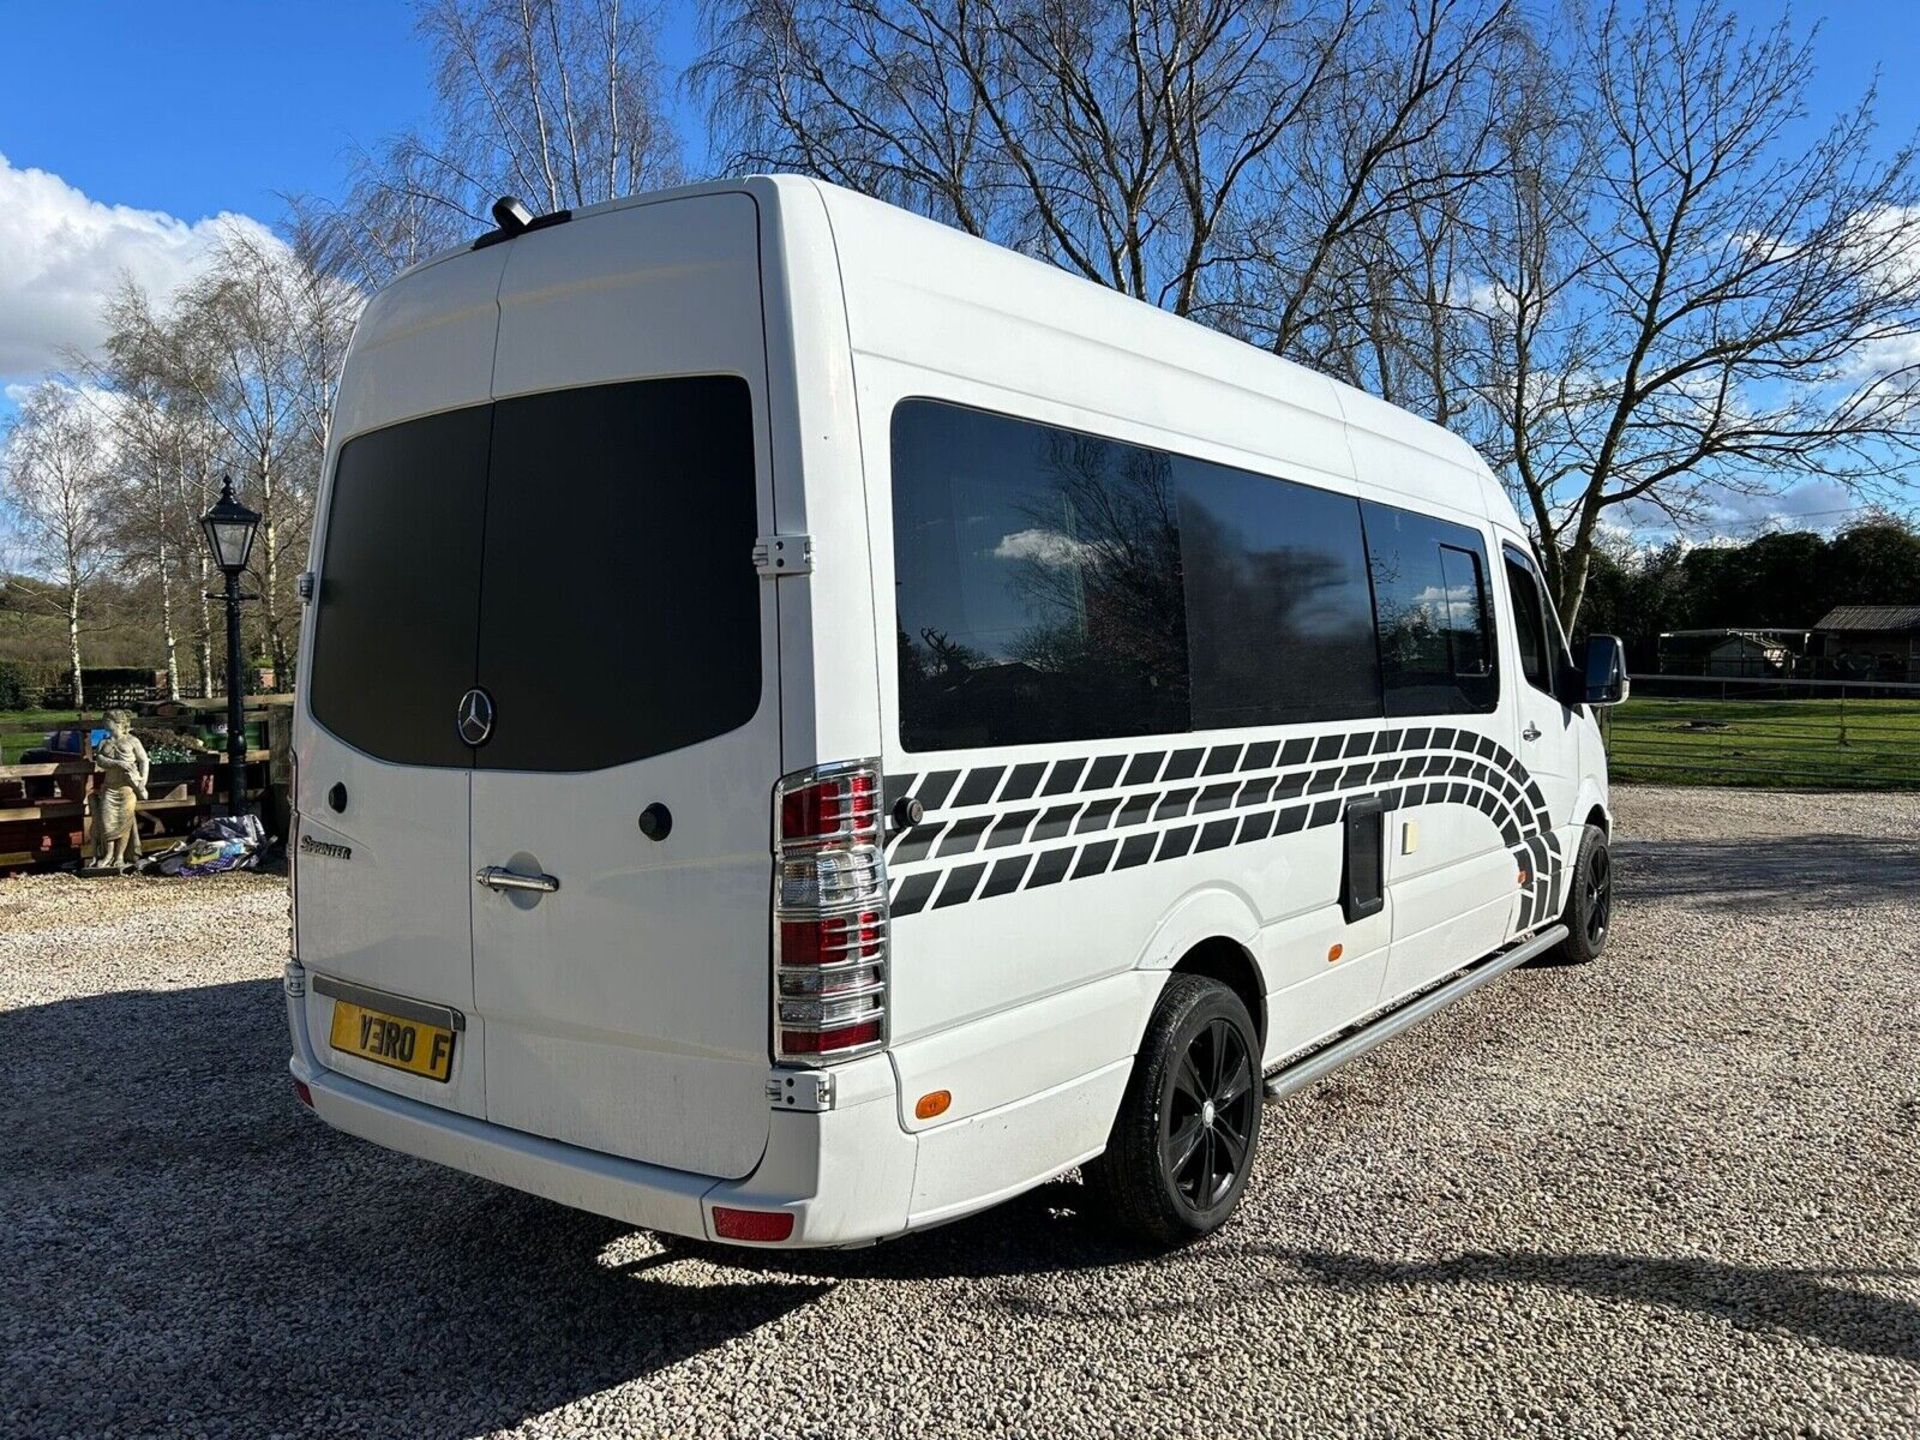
(184, 1246)
(1754, 1298)
(1770, 872)
(1748, 1298)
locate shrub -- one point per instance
(19, 686)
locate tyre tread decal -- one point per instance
(1316, 778)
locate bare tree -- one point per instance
(1214, 157)
(555, 101)
(143, 530)
(168, 447)
(1605, 251)
(1116, 141)
(257, 341)
(1685, 297)
(237, 326)
(1400, 129)
(54, 471)
(147, 353)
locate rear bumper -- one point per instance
(846, 1175)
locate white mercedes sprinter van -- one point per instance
(811, 724)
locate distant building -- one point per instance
(1870, 642)
(1757, 654)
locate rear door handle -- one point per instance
(498, 877)
(1532, 732)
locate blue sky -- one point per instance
(185, 110)
(200, 106)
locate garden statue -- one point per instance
(122, 762)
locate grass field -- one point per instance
(23, 730)
(1815, 744)
(1861, 744)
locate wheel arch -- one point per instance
(1228, 961)
(1212, 932)
(1590, 804)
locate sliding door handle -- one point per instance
(498, 877)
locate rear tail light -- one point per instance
(293, 854)
(830, 944)
(831, 803)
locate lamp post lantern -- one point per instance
(229, 527)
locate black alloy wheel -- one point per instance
(1209, 1115)
(1597, 881)
(1589, 913)
(1188, 1128)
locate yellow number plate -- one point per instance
(409, 1045)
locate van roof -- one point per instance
(892, 260)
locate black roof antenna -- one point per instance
(511, 216)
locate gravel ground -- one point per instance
(1676, 1192)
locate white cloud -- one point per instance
(1485, 298)
(1047, 547)
(62, 255)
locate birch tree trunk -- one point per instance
(270, 568)
(206, 610)
(73, 636)
(167, 634)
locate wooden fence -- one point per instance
(45, 810)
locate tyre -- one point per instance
(1589, 914)
(1183, 1143)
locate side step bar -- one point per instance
(1318, 1064)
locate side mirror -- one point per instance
(1605, 664)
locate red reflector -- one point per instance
(817, 1042)
(800, 812)
(732, 1224)
(303, 1094)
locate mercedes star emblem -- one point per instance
(476, 716)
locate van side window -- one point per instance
(1530, 624)
(1279, 618)
(1053, 585)
(1435, 622)
(1038, 583)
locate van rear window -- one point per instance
(399, 588)
(584, 556)
(619, 610)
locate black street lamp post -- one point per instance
(229, 528)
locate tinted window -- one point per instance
(1038, 583)
(1279, 623)
(619, 617)
(1436, 629)
(621, 612)
(399, 583)
(1530, 625)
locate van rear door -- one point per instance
(627, 656)
(385, 881)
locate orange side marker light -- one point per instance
(933, 1103)
(1335, 952)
